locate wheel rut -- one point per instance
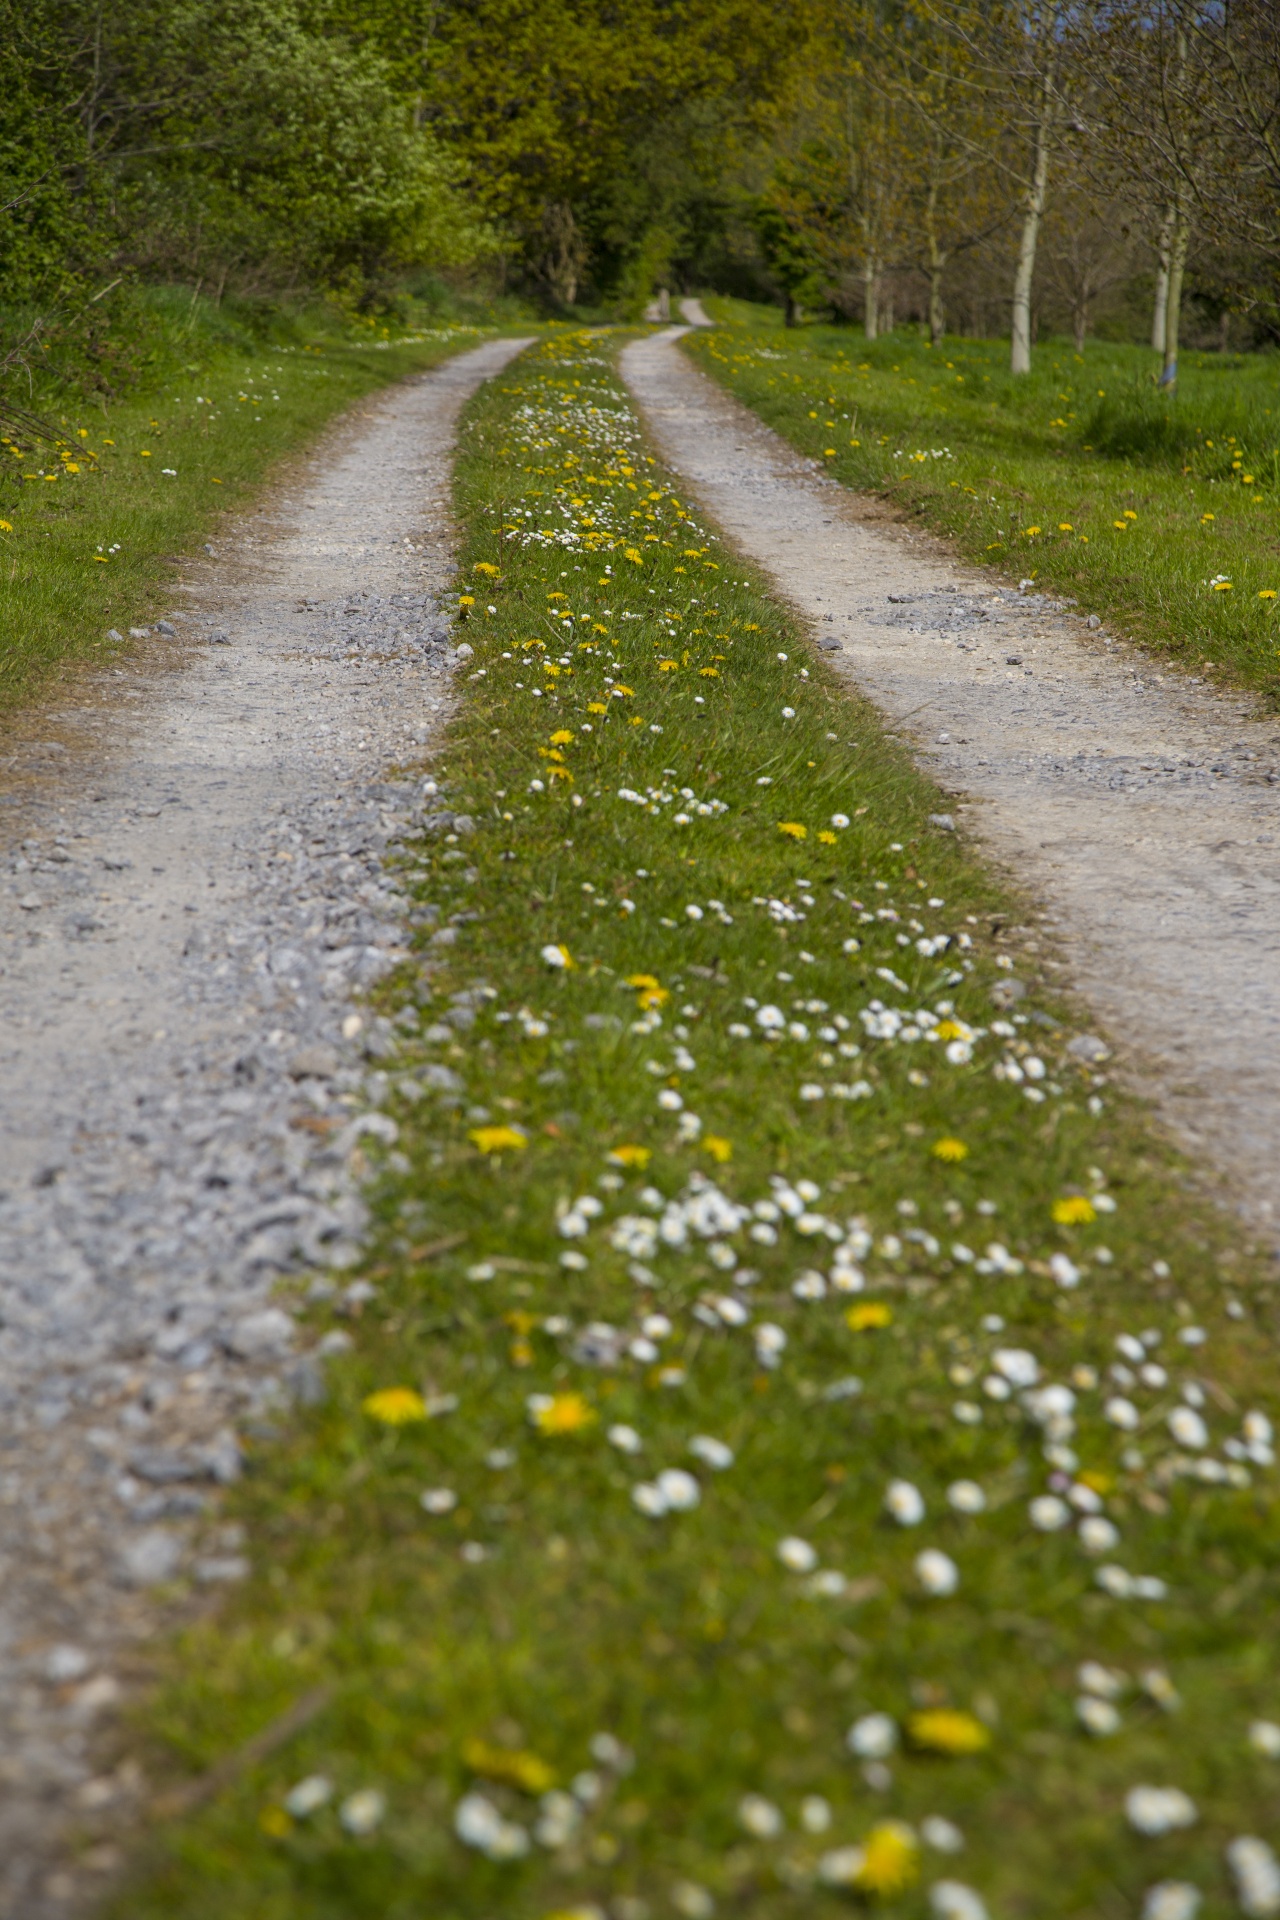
(1137, 806)
(193, 894)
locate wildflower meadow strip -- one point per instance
(799, 1442)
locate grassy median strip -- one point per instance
(801, 1439)
(95, 521)
(1162, 514)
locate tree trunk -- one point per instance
(1033, 212)
(793, 310)
(1080, 322)
(937, 263)
(886, 322)
(936, 314)
(870, 292)
(1173, 298)
(1162, 282)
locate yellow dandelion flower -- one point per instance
(1264, 593)
(514, 1766)
(596, 706)
(6, 526)
(718, 1147)
(1121, 526)
(483, 566)
(944, 1730)
(952, 1030)
(634, 555)
(564, 1413)
(630, 1156)
(1221, 586)
(1129, 514)
(1073, 1210)
(949, 1149)
(793, 829)
(275, 1823)
(1032, 530)
(1205, 518)
(709, 673)
(467, 600)
(872, 1313)
(890, 1859)
(395, 1406)
(827, 838)
(1065, 526)
(496, 1139)
(562, 737)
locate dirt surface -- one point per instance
(192, 897)
(1140, 807)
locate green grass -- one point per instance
(1033, 475)
(93, 527)
(486, 1645)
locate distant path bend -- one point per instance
(1141, 808)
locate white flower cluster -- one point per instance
(655, 798)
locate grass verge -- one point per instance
(94, 525)
(802, 1441)
(1162, 514)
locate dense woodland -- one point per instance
(986, 166)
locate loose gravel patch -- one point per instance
(1140, 806)
(192, 899)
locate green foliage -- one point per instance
(570, 114)
(219, 142)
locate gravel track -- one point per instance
(192, 897)
(1140, 809)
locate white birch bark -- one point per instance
(1033, 213)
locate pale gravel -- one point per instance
(1139, 808)
(193, 895)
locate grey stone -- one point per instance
(162, 1469)
(943, 822)
(257, 1336)
(1088, 1047)
(154, 1556)
(314, 1063)
(221, 1568)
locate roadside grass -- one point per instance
(1160, 514)
(594, 1534)
(93, 528)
